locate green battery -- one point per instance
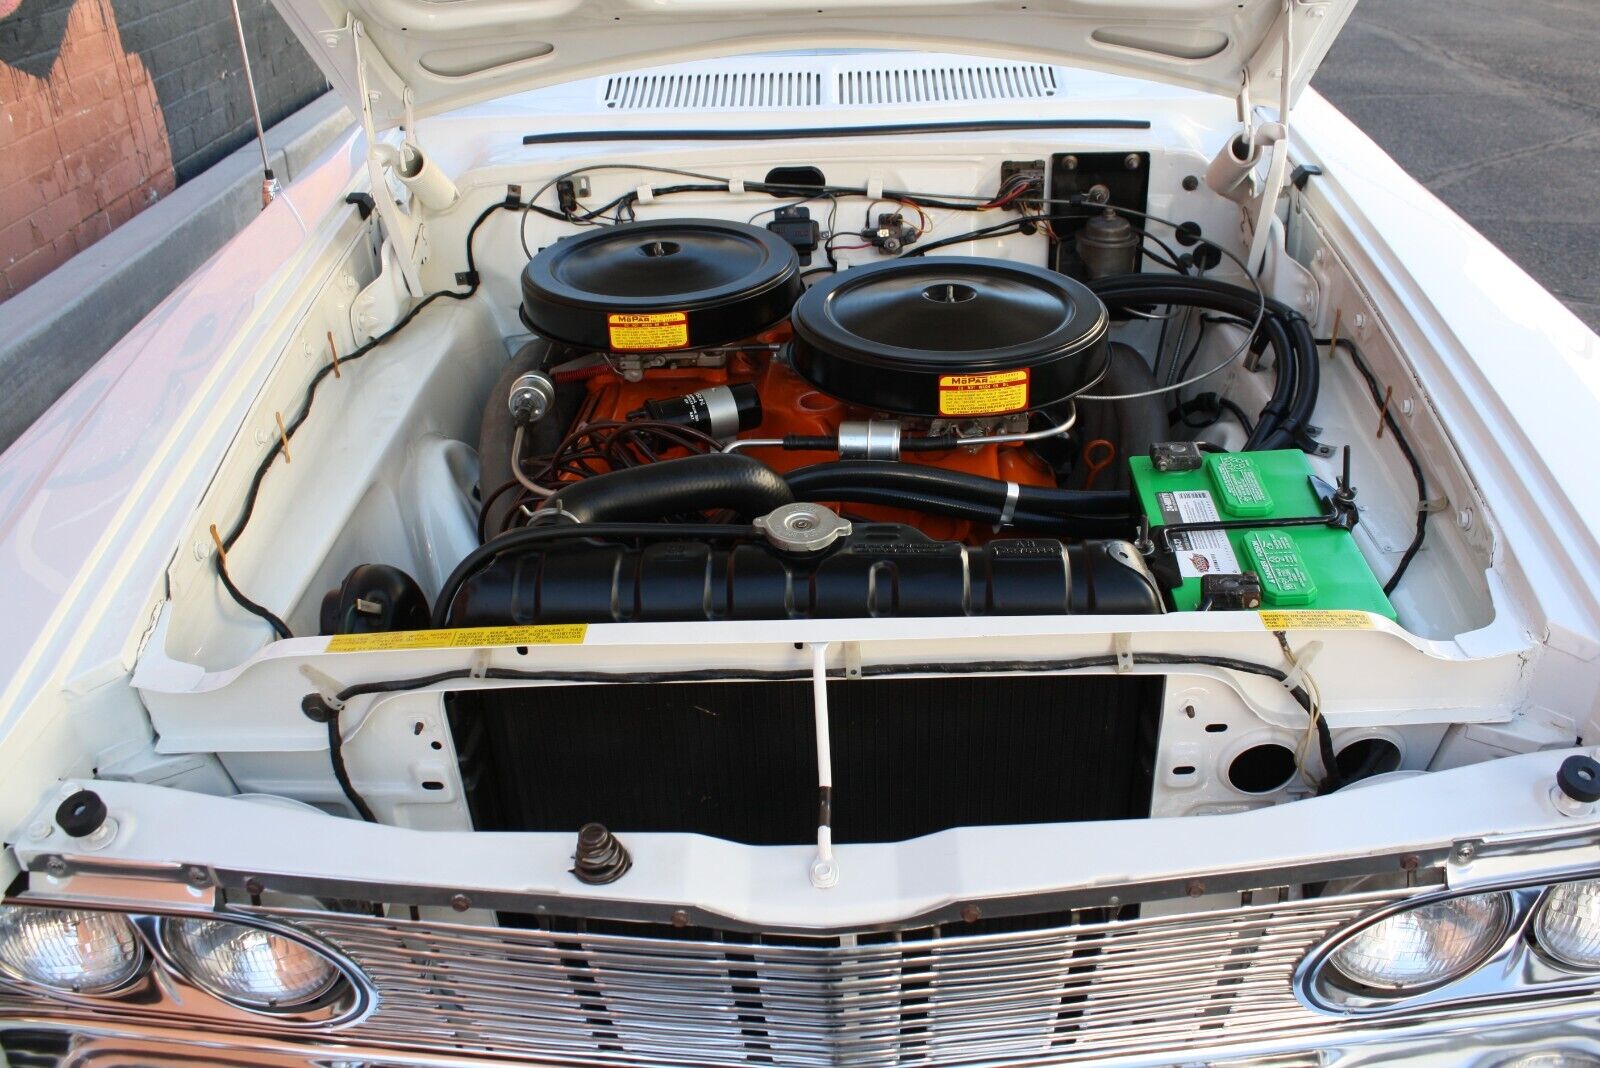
(1309, 567)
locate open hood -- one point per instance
(449, 53)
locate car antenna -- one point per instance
(270, 187)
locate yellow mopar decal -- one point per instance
(991, 394)
(1317, 619)
(650, 332)
(466, 637)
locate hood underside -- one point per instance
(450, 53)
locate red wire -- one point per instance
(582, 374)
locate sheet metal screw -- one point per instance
(56, 866)
(1070, 162)
(1466, 851)
(1196, 888)
(1131, 161)
(970, 913)
(680, 918)
(1409, 862)
(198, 877)
(253, 887)
(461, 902)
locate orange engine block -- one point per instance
(792, 406)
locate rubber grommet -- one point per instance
(81, 814)
(1579, 779)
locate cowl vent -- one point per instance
(749, 85)
(722, 91)
(949, 84)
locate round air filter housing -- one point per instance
(951, 338)
(661, 285)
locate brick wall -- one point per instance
(107, 105)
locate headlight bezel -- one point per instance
(1517, 968)
(1541, 943)
(334, 991)
(138, 969)
(157, 982)
(1505, 931)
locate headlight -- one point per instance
(249, 966)
(1425, 945)
(1567, 925)
(68, 949)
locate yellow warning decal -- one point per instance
(991, 394)
(650, 332)
(1317, 619)
(465, 638)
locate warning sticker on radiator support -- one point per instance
(1317, 619)
(1199, 552)
(648, 332)
(990, 394)
(462, 638)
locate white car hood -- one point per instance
(448, 53)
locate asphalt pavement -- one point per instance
(1494, 105)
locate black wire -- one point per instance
(1404, 444)
(342, 774)
(1194, 350)
(253, 493)
(1238, 413)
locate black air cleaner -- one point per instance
(951, 337)
(661, 285)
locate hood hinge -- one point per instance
(1232, 173)
(405, 233)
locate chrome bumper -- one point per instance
(1468, 1043)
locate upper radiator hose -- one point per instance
(671, 487)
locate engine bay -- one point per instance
(1058, 415)
(899, 439)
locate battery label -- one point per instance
(652, 332)
(1285, 579)
(1242, 491)
(991, 394)
(1199, 552)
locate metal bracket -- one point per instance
(1122, 645)
(852, 659)
(479, 666)
(381, 304)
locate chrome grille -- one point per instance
(1064, 995)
